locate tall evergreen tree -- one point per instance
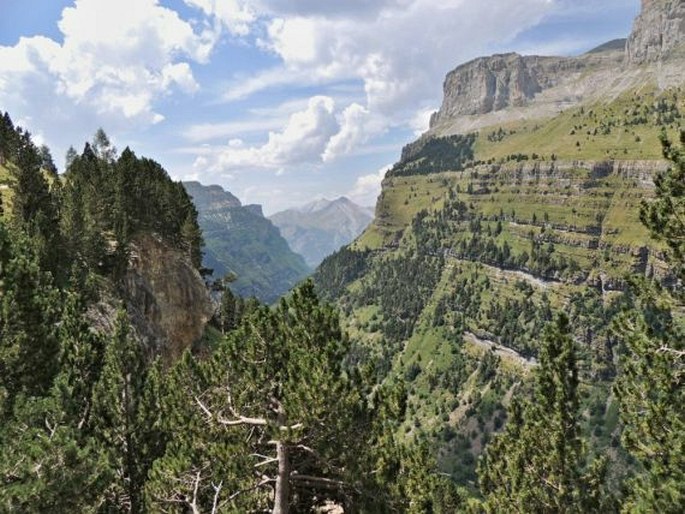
(125, 409)
(34, 210)
(537, 464)
(49, 460)
(665, 215)
(270, 385)
(650, 386)
(28, 318)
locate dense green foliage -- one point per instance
(537, 463)
(284, 412)
(436, 155)
(340, 270)
(275, 416)
(651, 384)
(107, 201)
(502, 272)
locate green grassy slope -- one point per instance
(461, 269)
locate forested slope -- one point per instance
(484, 244)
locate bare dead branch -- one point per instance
(325, 483)
(264, 482)
(215, 502)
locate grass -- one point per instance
(599, 131)
(590, 217)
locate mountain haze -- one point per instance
(319, 228)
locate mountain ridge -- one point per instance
(510, 87)
(317, 229)
(521, 200)
(239, 240)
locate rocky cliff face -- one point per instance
(510, 87)
(166, 298)
(494, 83)
(212, 198)
(658, 31)
(240, 240)
(510, 83)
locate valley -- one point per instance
(513, 206)
(503, 332)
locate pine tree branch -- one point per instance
(267, 460)
(241, 420)
(196, 486)
(264, 482)
(215, 502)
(672, 351)
(324, 483)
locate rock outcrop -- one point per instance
(494, 83)
(166, 298)
(510, 87)
(212, 198)
(658, 31)
(512, 81)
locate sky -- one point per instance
(280, 102)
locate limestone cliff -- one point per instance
(494, 83)
(166, 298)
(658, 31)
(510, 87)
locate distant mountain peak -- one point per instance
(212, 197)
(317, 229)
(614, 44)
(240, 240)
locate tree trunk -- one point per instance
(282, 493)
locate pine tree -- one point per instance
(102, 147)
(228, 315)
(650, 382)
(267, 396)
(33, 207)
(537, 464)
(28, 319)
(124, 408)
(665, 215)
(49, 460)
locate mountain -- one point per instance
(319, 228)
(240, 240)
(509, 88)
(523, 199)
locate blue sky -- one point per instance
(279, 101)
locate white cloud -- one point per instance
(236, 16)
(117, 59)
(399, 49)
(257, 120)
(245, 86)
(211, 131)
(354, 130)
(421, 121)
(347, 8)
(367, 187)
(303, 140)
